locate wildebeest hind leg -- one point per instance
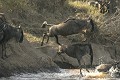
(57, 40)
(86, 66)
(47, 39)
(80, 68)
(2, 51)
(5, 51)
(43, 39)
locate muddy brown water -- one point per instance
(65, 74)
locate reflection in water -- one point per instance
(65, 74)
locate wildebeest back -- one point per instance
(70, 27)
(77, 48)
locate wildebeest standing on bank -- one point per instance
(8, 32)
(68, 27)
(77, 51)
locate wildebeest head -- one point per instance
(61, 49)
(88, 26)
(19, 35)
(44, 24)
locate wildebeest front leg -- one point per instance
(4, 51)
(47, 38)
(86, 66)
(43, 39)
(80, 68)
(57, 40)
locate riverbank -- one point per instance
(24, 58)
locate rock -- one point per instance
(103, 67)
(24, 57)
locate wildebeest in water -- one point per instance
(8, 32)
(68, 27)
(77, 51)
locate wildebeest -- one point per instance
(104, 6)
(68, 27)
(77, 51)
(8, 32)
(94, 4)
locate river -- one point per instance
(65, 74)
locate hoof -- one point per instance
(87, 70)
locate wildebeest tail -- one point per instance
(92, 23)
(91, 54)
(22, 35)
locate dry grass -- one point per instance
(94, 12)
(32, 38)
(80, 9)
(30, 13)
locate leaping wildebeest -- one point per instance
(68, 27)
(77, 51)
(8, 32)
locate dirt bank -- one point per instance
(24, 58)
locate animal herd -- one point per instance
(69, 27)
(102, 5)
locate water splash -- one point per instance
(65, 74)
